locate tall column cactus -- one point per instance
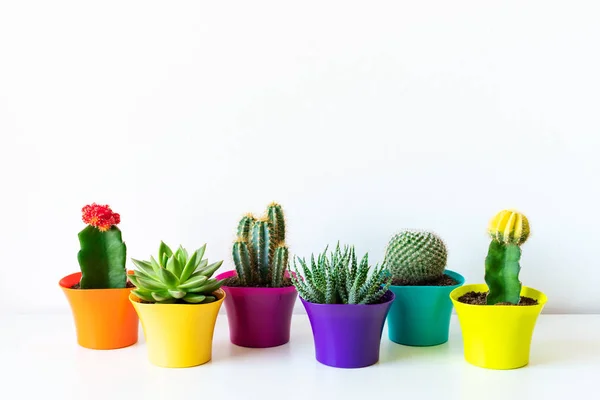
(509, 230)
(259, 253)
(103, 254)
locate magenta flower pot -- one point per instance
(348, 335)
(258, 317)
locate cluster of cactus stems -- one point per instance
(259, 253)
(337, 278)
(103, 253)
(176, 277)
(508, 230)
(415, 257)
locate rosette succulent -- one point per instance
(508, 230)
(103, 254)
(337, 278)
(176, 277)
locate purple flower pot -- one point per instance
(258, 317)
(348, 335)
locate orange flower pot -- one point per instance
(104, 318)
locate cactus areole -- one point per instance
(103, 253)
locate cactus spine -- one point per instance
(416, 256)
(508, 231)
(259, 253)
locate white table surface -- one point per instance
(40, 359)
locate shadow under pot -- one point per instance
(420, 315)
(258, 317)
(178, 335)
(104, 318)
(348, 335)
(497, 336)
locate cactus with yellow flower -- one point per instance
(508, 230)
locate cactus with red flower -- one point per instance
(103, 254)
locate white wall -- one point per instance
(361, 118)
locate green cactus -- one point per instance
(102, 259)
(415, 257)
(337, 278)
(243, 261)
(103, 254)
(261, 247)
(259, 253)
(275, 216)
(176, 277)
(508, 231)
(245, 227)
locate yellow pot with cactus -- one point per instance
(497, 319)
(177, 302)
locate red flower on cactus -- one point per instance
(101, 217)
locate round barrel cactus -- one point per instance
(416, 256)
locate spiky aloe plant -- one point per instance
(103, 254)
(416, 256)
(509, 230)
(337, 278)
(176, 277)
(259, 253)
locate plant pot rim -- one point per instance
(220, 294)
(452, 274)
(63, 283)
(261, 290)
(480, 287)
(388, 293)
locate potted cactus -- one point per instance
(420, 315)
(498, 319)
(260, 296)
(177, 302)
(345, 305)
(104, 318)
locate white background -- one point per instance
(361, 118)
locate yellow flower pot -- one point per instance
(498, 336)
(178, 335)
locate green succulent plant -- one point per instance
(176, 277)
(259, 253)
(416, 256)
(337, 278)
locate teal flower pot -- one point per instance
(420, 315)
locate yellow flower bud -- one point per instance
(509, 227)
